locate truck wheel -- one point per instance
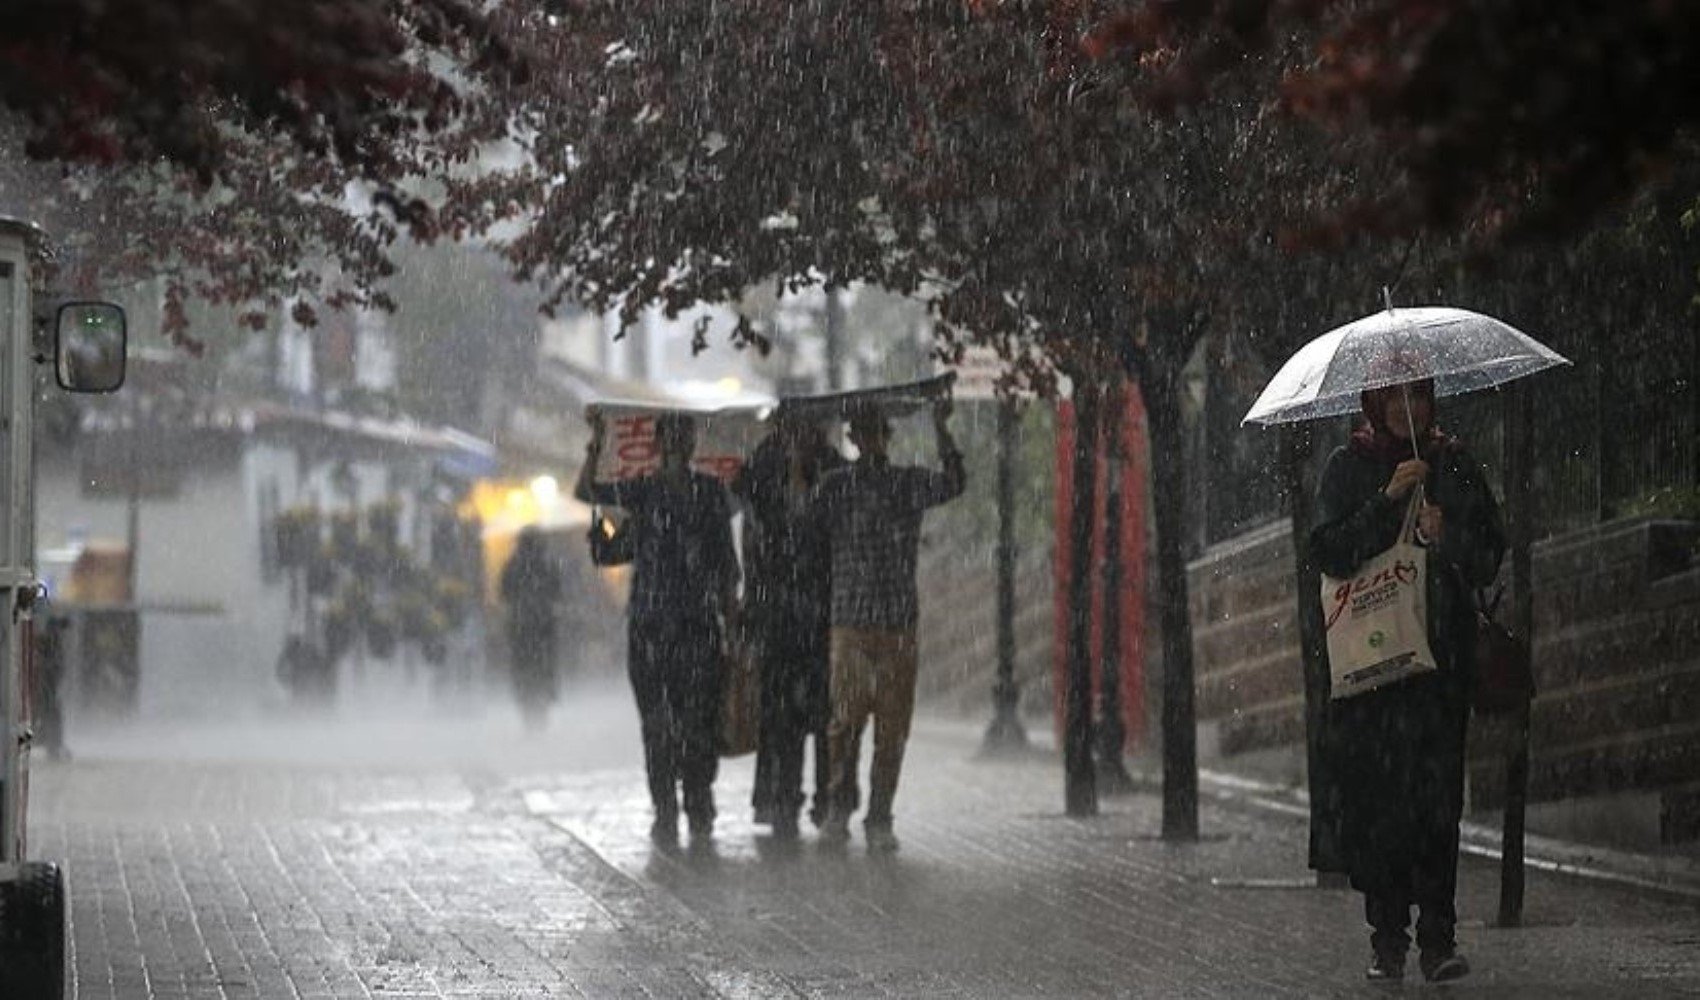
(32, 934)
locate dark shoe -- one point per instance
(664, 832)
(835, 832)
(1443, 967)
(880, 838)
(764, 815)
(785, 826)
(702, 826)
(1386, 967)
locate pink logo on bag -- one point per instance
(1372, 591)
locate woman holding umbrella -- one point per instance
(1395, 753)
(1398, 751)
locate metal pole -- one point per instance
(1006, 733)
(1517, 500)
(1080, 776)
(834, 341)
(1112, 734)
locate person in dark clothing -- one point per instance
(786, 594)
(1398, 751)
(872, 512)
(531, 588)
(684, 592)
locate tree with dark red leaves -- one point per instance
(1525, 117)
(248, 152)
(978, 154)
(965, 152)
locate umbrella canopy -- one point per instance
(1461, 351)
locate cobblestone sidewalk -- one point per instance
(415, 878)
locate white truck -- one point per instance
(85, 341)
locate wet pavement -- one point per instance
(450, 857)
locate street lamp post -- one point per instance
(1079, 773)
(1006, 734)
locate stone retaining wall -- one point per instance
(1617, 663)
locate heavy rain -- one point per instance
(778, 499)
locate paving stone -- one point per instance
(291, 880)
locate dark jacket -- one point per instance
(789, 583)
(1396, 754)
(684, 552)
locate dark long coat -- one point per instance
(1397, 753)
(789, 586)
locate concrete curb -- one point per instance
(1668, 876)
(1676, 877)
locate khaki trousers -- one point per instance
(873, 674)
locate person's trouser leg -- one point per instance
(763, 797)
(646, 667)
(786, 713)
(819, 717)
(787, 778)
(1434, 884)
(1388, 912)
(894, 666)
(695, 691)
(852, 692)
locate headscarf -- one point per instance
(1375, 439)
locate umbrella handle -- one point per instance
(1411, 425)
(1410, 421)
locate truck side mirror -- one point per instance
(89, 346)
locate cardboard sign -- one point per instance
(894, 400)
(978, 373)
(725, 437)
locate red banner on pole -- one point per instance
(1130, 415)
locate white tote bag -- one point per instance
(1377, 620)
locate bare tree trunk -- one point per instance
(1168, 494)
(1112, 734)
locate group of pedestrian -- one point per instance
(828, 609)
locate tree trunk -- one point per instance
(1168, 494)
(1080, 780)
(1112, 734)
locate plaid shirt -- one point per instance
(873, 514)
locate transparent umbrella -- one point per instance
(1461, 351)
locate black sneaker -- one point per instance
(702, 826)
(785, 826)
(1444, 967)
(880, 838)
(1386, 967)
(664, 833)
